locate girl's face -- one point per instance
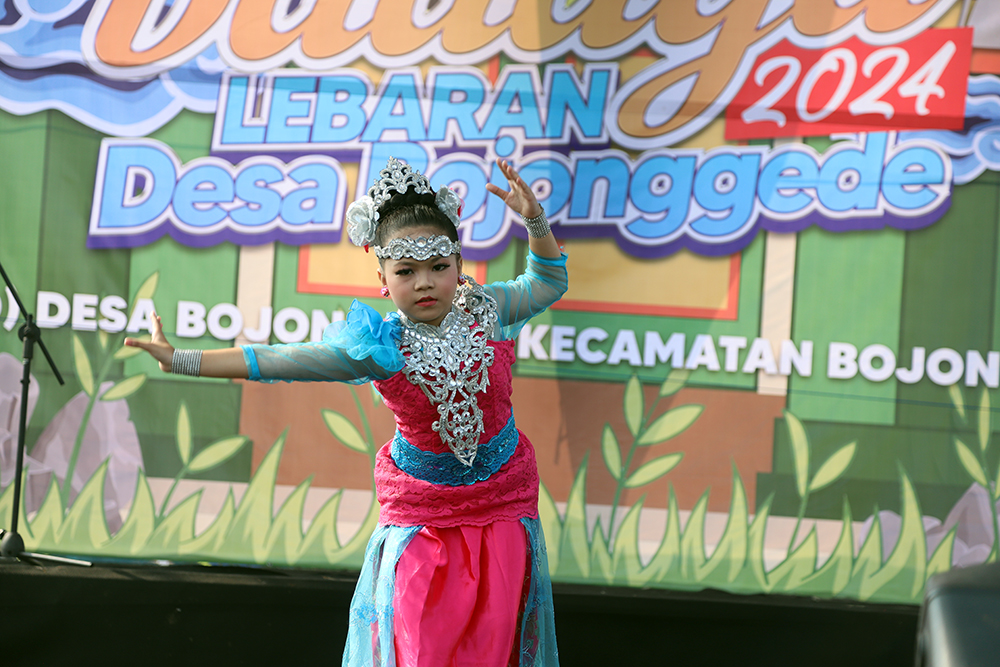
(423, 291)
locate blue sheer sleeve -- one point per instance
(543, 282)
(362, 348)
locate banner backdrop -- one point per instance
(775, 367)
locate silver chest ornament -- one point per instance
(450, 363)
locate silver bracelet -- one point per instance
(186, 362)
(538, 227)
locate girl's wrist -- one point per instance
(537, 225)
(186, 362)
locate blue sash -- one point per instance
(446, 469)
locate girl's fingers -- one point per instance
(515, 180)
(500, 192)
(135, 342)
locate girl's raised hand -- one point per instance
(520, 198)
(158, 346)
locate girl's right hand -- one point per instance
(158, 346)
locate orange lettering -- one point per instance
(252, 36)
(464, 30)
(113, 41)
(880, 16)
(532, 27)
(600, 26)
(714, 70)
(604, 25)
(677, 23)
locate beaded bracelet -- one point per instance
(538, 227)
(186, 362)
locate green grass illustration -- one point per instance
(250, 531)
(976, 462)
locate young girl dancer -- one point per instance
(455, 573)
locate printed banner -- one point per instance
(776, 366)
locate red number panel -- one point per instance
(855, 87)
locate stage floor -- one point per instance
(143, 614)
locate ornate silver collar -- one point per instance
(450, 363)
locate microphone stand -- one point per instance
(11, 544)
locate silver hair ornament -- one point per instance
(419, 248)
(449, 203)
(397, 177)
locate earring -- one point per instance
(385, 291)
(461, 279)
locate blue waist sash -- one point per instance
(446, 469)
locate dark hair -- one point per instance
(411, 210)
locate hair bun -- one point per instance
(408, 198)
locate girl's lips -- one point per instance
(426, 302)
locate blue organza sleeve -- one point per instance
(361, 348)
(543, 282)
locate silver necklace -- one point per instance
(442, 360)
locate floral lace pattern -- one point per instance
(509, 494)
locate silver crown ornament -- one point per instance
(396, 178)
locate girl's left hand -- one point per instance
(158, 346)
(520, 198)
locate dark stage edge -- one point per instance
(181, 614)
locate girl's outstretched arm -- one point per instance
(226, 363)
(522, 200)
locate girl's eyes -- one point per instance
(443, 266)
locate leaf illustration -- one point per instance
(612, 453)
(83, 369)
(996, 486)
(971, 463)
(125, 388)
(376, 397)
(145, 291)
(670, 423)
(184, 433)
(800, 452)
(653, 470)
(344, 431)
(957, 400)
(677, 379)
(102, 338)
(833, 467)
(217, 453)
(633, 404)
(985, 421)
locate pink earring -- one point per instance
(385, 291)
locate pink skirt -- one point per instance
(459, 596)
(462, 595)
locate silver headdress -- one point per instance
(397, 177)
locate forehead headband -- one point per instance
(420, 248)
(396, 178)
